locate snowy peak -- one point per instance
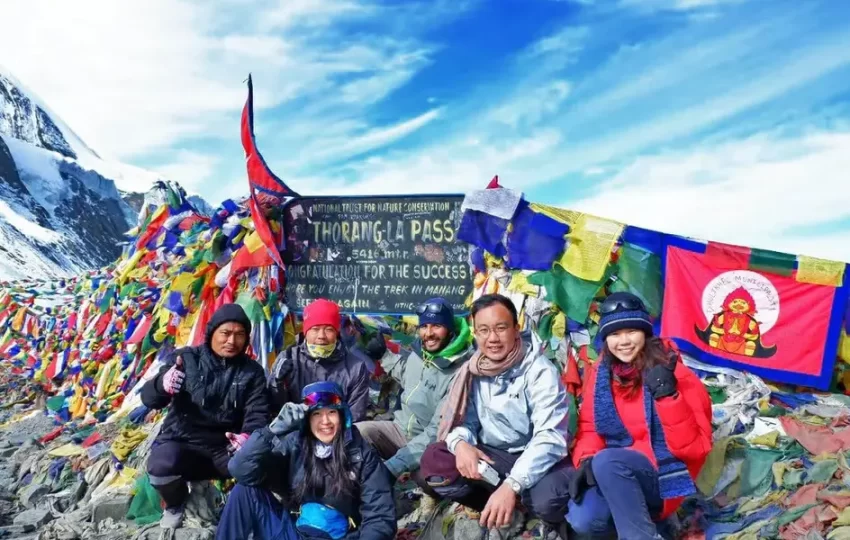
(22, 118)
(60, 210)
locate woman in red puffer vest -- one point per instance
(644, 429)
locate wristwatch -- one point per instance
(514, 485)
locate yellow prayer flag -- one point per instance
(519, 283)
(590, 243)
(819, 271)
(182, 282)
(67, 450)
(591, 240)
(253, 242)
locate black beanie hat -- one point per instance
(225, 314)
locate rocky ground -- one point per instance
(52, 487)
(62, 481)
(55, 484)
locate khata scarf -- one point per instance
(454, 410)
(674, 480)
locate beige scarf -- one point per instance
(454, 409)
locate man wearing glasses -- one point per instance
(504, 431)
(425, 373)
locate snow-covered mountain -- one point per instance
(202, 206)
(60, 210)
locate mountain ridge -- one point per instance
(61, 212)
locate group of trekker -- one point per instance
(484, 421)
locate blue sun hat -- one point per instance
(327, 394)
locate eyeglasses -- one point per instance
(628, 304)
(484, 331)
(322, 399)
(430, 308)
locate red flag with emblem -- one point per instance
(723, 312)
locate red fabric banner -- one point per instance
(747, 319)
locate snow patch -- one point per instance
(27, 227)
(38, 170)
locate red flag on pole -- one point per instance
(266, 189)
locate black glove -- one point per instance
(376, 347)
(581, 480)
(661, 380)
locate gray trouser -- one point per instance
(384, 436)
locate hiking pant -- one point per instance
(547, 499)
(172, 464)
(254, 510)
(387, 439)
(384, 436)
(625, 497)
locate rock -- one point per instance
(12, 531)
(30, 494)
(78, 491)
(115, 508)
(6, 452)
(193, 534)
(33, 519)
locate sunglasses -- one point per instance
(322, 399)
(429, 308)
(610, 306)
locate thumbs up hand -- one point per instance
(172, 381)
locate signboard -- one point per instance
(378, 255)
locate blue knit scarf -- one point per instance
(674, 480)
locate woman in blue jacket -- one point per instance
(324, 472)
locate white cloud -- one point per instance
(752, 192)
(190, 169)
(677, 5)
(132, 79)
(371, 139)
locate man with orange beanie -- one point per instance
(320, 355)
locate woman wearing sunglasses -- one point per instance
(644, 429)
(333, 484)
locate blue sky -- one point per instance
(721, 119)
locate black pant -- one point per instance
(172, 464)
(547, 499)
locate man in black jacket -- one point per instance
(217, 397)
(321, 355)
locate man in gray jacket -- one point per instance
(507, 411)
(425, 374)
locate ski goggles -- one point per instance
(628, 304)
(322, 399)
(434, 307)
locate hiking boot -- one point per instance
(172, 518)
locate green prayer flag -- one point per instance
(773, 262)
(639, 272)
(571, 294)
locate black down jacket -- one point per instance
(217, 396)
(277, 463)
(294, 369)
